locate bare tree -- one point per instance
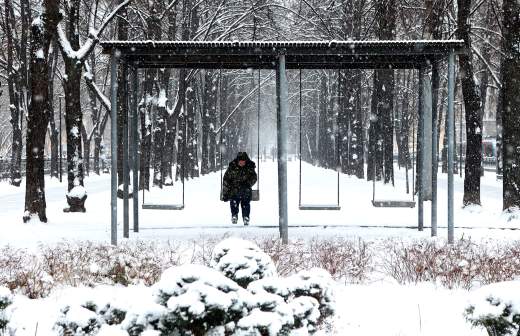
(17, 78)
(472, 106)
(511, 103)
(74, 56)
(42, 33)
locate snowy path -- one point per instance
(206, 215)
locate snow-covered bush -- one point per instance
(199, 299)
(242, 261)
(496, 308)
(83, 316)
(5, 300)
(309, 295)
(188, 300)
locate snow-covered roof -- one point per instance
(299, 54)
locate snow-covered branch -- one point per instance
(495, 78)
(241, 101)
(93, 86)
(92, 39)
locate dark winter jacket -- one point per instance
(239, 180)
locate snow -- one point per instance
(37, 22)
(401, 310)
(74, 131)
(242, 261)
(40, 54)
(77, 192)
(389, 309)
(259, 318)
(111, 330)
(379, 308)
(206, 215)
(162, 98)
(492, 300)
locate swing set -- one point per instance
(281, 56)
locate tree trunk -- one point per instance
(472, 105)
(191, 136)
(159, 132)
(38, 113)
(122, 95)
(212, 141)
(511, 104)
(146, 146)
(345, 110)
(384, 87)
(375, 164)
(97, 152)
(73, 123)
(357, 156)
(207, 104)
(54, 132)
(322, 122)
(15, 99)
(55, 144)
(385, 114)
(406, 120)
(357, 141)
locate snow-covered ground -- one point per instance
(380, 308)
(204, 214)
(362, 310)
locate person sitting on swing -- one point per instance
(238, 180)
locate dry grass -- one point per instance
(463, 264)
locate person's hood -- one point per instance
(245, 157)
(242, 156)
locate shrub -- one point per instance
(242, 261)
(496, 308)
(195, 300)
(6, 299)
(199, 299)
(87, 311)
(308, 294)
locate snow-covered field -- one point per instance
(379, 308)
(204, 214)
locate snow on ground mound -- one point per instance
(77, 192)
(242, 261)
(496, 307)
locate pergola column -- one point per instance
(113, 146)
(126, 166)
(435, 151)
(420, 142)
(451, 142)
(134, 152)
(282, 131)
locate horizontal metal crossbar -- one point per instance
(393, 204)
(320, 207)
(162, 206)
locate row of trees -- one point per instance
(348, 116)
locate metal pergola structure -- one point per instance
(280, 56)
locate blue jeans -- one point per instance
(245, 204)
